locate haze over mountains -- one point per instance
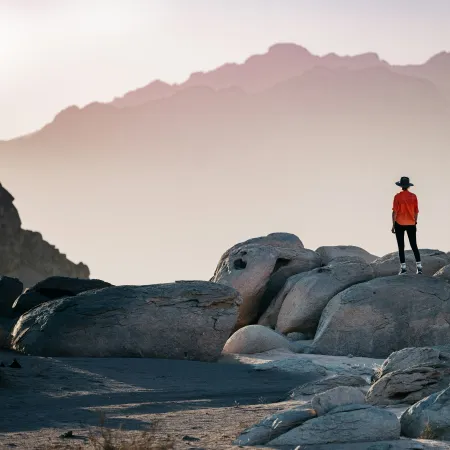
(155, 185)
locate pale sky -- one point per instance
(56, 53)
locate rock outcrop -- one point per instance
(249, 266)
(384, 315)
(410, 375)
(408, 386)
(25, 254)
(414, 357)
(53, 288)
(182, 320)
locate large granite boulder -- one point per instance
(383, 315)
(255, 339)
(344, 424)
(25, 254)
(428, 418)
(53, 288)
(329, 253)
(10, 289)
(182, 320)
(432, 261)
(304, 303)
(249, 266)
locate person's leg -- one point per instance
(400, 236)
(412, 237)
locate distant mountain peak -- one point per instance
(441, 59)
(288, 48)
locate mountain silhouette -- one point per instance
(280, 63)
(287, 140)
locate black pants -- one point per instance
(400, 235)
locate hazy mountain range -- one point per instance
(166, 177)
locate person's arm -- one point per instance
(394, 213)
(416, 212)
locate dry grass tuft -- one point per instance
(428, 433)
(108, 439)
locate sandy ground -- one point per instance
(208, 401)
(199, 405)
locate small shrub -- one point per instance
(110, 439)
(428, 433)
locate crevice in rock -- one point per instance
(239, 264)
(280, 262)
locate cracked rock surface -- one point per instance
(182, 320)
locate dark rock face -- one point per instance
(25, 254)
(53, 288)
(10, 289)
(183, 320)
(384, 315)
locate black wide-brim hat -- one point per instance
(404, 182)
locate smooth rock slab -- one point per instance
(384, 315)
(183, 320)
(303, 305)
(273, 426)
(329, 253)
(363, 423)
(255, 339)
(408, 385)
(429, 418)
(303, 367)
(325, 384)
(338, 396)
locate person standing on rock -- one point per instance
(404, 218)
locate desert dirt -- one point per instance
(199, 405)
(109, 403)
